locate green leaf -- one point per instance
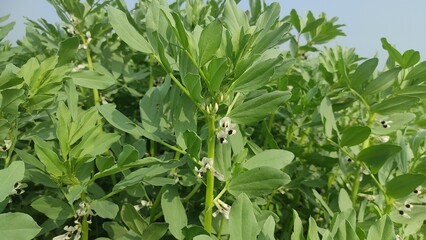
(29, 159)
(258, 108)
(174, 212)
(312, 25)
(414, 91)
(258, 181)
(375, 156)
(4, 30)
(242, 221)
(67, 50)
(313, 230)
(104, 208)
(382, 229)
(294, 17)
(48, 157)
(410, 58)
(151, 109)
(297, 227)
(395, 105)
(216, 73)
(193, 84)
(53, 208)
(222, 161)
(275, 158)
(9, 77)
(268, 229)
(91, 79)
(345, 202)
(327, 117)
(210, 40)
(382, 82)
(183, 37)
(193, 143)
(393, 53)
(164, 58)
(402, 185)
(63, 125)
(418, 72)
(354, 135)
(256, 76)
(121, 122)
(127, 156)
(363, 73)
(9, 177)
(127, 32)
(133, 219)
(18, 226)
(155, 231)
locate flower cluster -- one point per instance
(207, 163)
(405, 209)
(84, 210)
(227, 128)
(143, 203)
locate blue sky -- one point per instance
(401, 22)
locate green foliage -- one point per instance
(197, 120)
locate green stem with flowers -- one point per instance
(211, 141)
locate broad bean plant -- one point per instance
(198, 120)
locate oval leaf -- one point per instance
(354, 135)
(104, 208)
(258, 181)
(375, 156)
(402, 185)
(127, 32)
(9, 176)
(257, 108)
(382, 82)
(91, 79)
(18, 226)
(53, 208)
(242, 221)
(274, 158)
(395, 105)
(174, 212)
(363, 72)
(210, 40)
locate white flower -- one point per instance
(64, 236)
(219, 176)
(206, 163)
(225, 122)
(289, 87)
(222, 208)
(384, 139)
(221, 136)
(6, 146)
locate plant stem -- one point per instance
(193, 191)
(365, 144)
(85, 228)
(211, 141)
(151, 85)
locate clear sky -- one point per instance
(403, 23)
